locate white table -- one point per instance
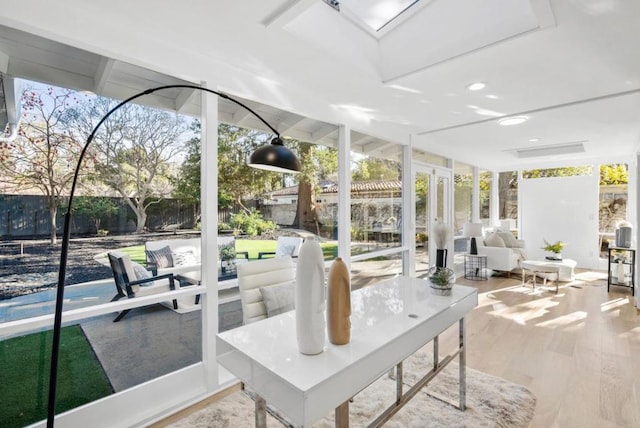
(558, 270)
(390, 321)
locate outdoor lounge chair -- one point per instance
(286, 246)
(133, 280)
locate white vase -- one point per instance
(310, 300)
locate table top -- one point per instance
(539, 263)
(390, 320)
(480, 256)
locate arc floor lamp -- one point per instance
(273, 157)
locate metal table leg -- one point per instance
(261, 412)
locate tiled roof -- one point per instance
(356, 186)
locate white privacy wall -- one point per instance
(561, 209)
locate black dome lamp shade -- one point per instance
(275, 157)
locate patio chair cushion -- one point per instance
(160, 258)
(184, 257)
(279, 299)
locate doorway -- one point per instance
(433, 191)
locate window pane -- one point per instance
(376, 199)
(613, 203)
(485, 197)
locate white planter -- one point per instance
(310, 301)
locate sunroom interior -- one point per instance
(320, 74)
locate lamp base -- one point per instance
(474, 246)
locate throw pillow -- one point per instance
(160, 258)
(494, 240)
(509, 240)
(279, 299)
(184, 257)
(286, 250)
(141, 273)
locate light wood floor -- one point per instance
(577, 351)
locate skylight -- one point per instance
(377, 14)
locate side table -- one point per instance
(475, 267)
(623, 261)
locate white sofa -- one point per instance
(185, 255)
(501, 257)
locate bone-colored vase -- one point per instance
(309, 297)
(339, 303)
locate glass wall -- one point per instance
(613, 196)
(485, 197)
(376, 213)
(462, 204)
(127, 201)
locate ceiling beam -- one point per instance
(101, 78)
(183, 98)
(240, 116)
(323, 132)
(286, 126)
(378, 145)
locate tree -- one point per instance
(187, 182)
(133, 148)
(94, 208)
(506, 181)
(237, 181)
(318, 162)
(371, 168)
(614, 174)
(44, 155)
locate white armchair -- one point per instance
(266, 287)
(504, 252)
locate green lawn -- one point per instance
(25, 365)
(253, 246)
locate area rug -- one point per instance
(491, 402)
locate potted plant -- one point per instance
(555, 248)
(227, 257)
(441, 280)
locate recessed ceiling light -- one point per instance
(477, 86)
(534, 140)
(513, 120)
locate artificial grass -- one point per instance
(25, 365)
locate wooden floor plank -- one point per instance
(578, 351)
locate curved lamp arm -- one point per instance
(263, 155)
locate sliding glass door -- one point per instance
(432, 203)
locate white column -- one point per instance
(209, 218)
(344, 194)
(633, 214)
(494, 207)
(408, 213)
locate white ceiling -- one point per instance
(570, 66)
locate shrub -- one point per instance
(251, 223)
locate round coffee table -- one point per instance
(558, 270)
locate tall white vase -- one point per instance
(310, 301)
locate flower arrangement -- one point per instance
(556, 247)
(441, 234)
